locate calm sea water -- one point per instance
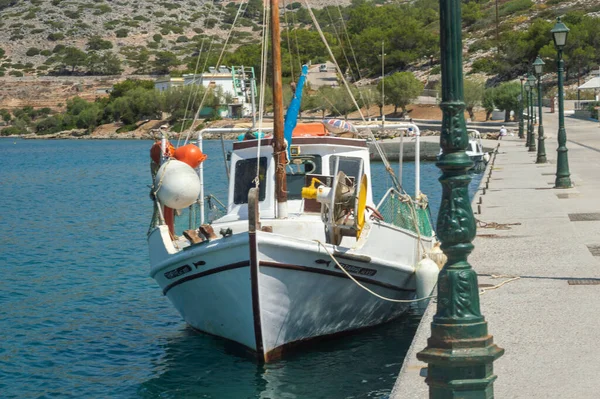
(79, 316)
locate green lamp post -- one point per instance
(529, 116)
(531, 82)
(460, 352)
(538, 66)
(521, 106)
(563, 177)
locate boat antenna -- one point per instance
(279, 150)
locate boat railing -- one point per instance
(409, 127)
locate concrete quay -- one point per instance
(547, 319)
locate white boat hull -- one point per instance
(287, 291)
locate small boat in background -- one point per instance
(475, 151)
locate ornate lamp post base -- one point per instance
(532, 147)
(460, 354)
(563, 177)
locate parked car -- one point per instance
(323, 68)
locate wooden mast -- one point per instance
(278, 142)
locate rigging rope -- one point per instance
(366, 288)
(370, 133)
(263, 84)
(238, 13)
(287, 30)
(212, 40)
(349, 42)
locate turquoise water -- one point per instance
(79, 316)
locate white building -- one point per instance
(167, 82)
(237, 82)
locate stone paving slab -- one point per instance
(548, 327)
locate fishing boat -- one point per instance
(475, 152)
(303, 251)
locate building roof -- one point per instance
(593, 83)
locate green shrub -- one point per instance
(157, 37)
(121, 32)
(18, 74)
(36, 31)
(484, 65)
(102, 9)
(46, 53)
(56, 36)
(32, 51)
(13, 130)
(182, 39)
(6, 116)
(110, 25)
(514, 6)
(210, 22)
(96, 43)
(483, 44)
(72, 14)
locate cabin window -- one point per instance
(351, 166)
(296, 172)
(245, 173)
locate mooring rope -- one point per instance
(367, 289)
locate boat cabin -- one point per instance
(320, 157)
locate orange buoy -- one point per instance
(190, 154)
(156, 150)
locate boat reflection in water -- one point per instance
(197, 365)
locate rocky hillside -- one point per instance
(32, 29)
(100, 42)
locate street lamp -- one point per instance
(531, 82)
(460, 352)
(522, 105)
(563, 179)
(538, 66)
(529, 116)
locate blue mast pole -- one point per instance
(291, 116)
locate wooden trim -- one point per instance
(219, 269)
(333, 273)
(238, 145)
(255, 294)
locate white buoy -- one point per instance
(426, 274)
(177, 184)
